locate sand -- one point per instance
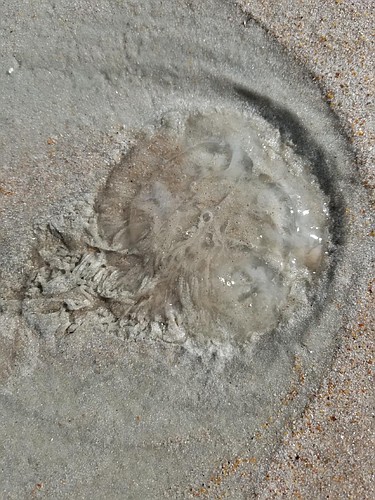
(95, 414)
(329, 451)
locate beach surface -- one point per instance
(90, 409)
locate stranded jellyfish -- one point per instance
(215, 228)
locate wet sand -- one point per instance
(70, 431)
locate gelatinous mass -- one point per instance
(210, 229)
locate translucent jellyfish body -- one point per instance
(216, 228)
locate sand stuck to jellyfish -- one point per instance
(210, 229)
